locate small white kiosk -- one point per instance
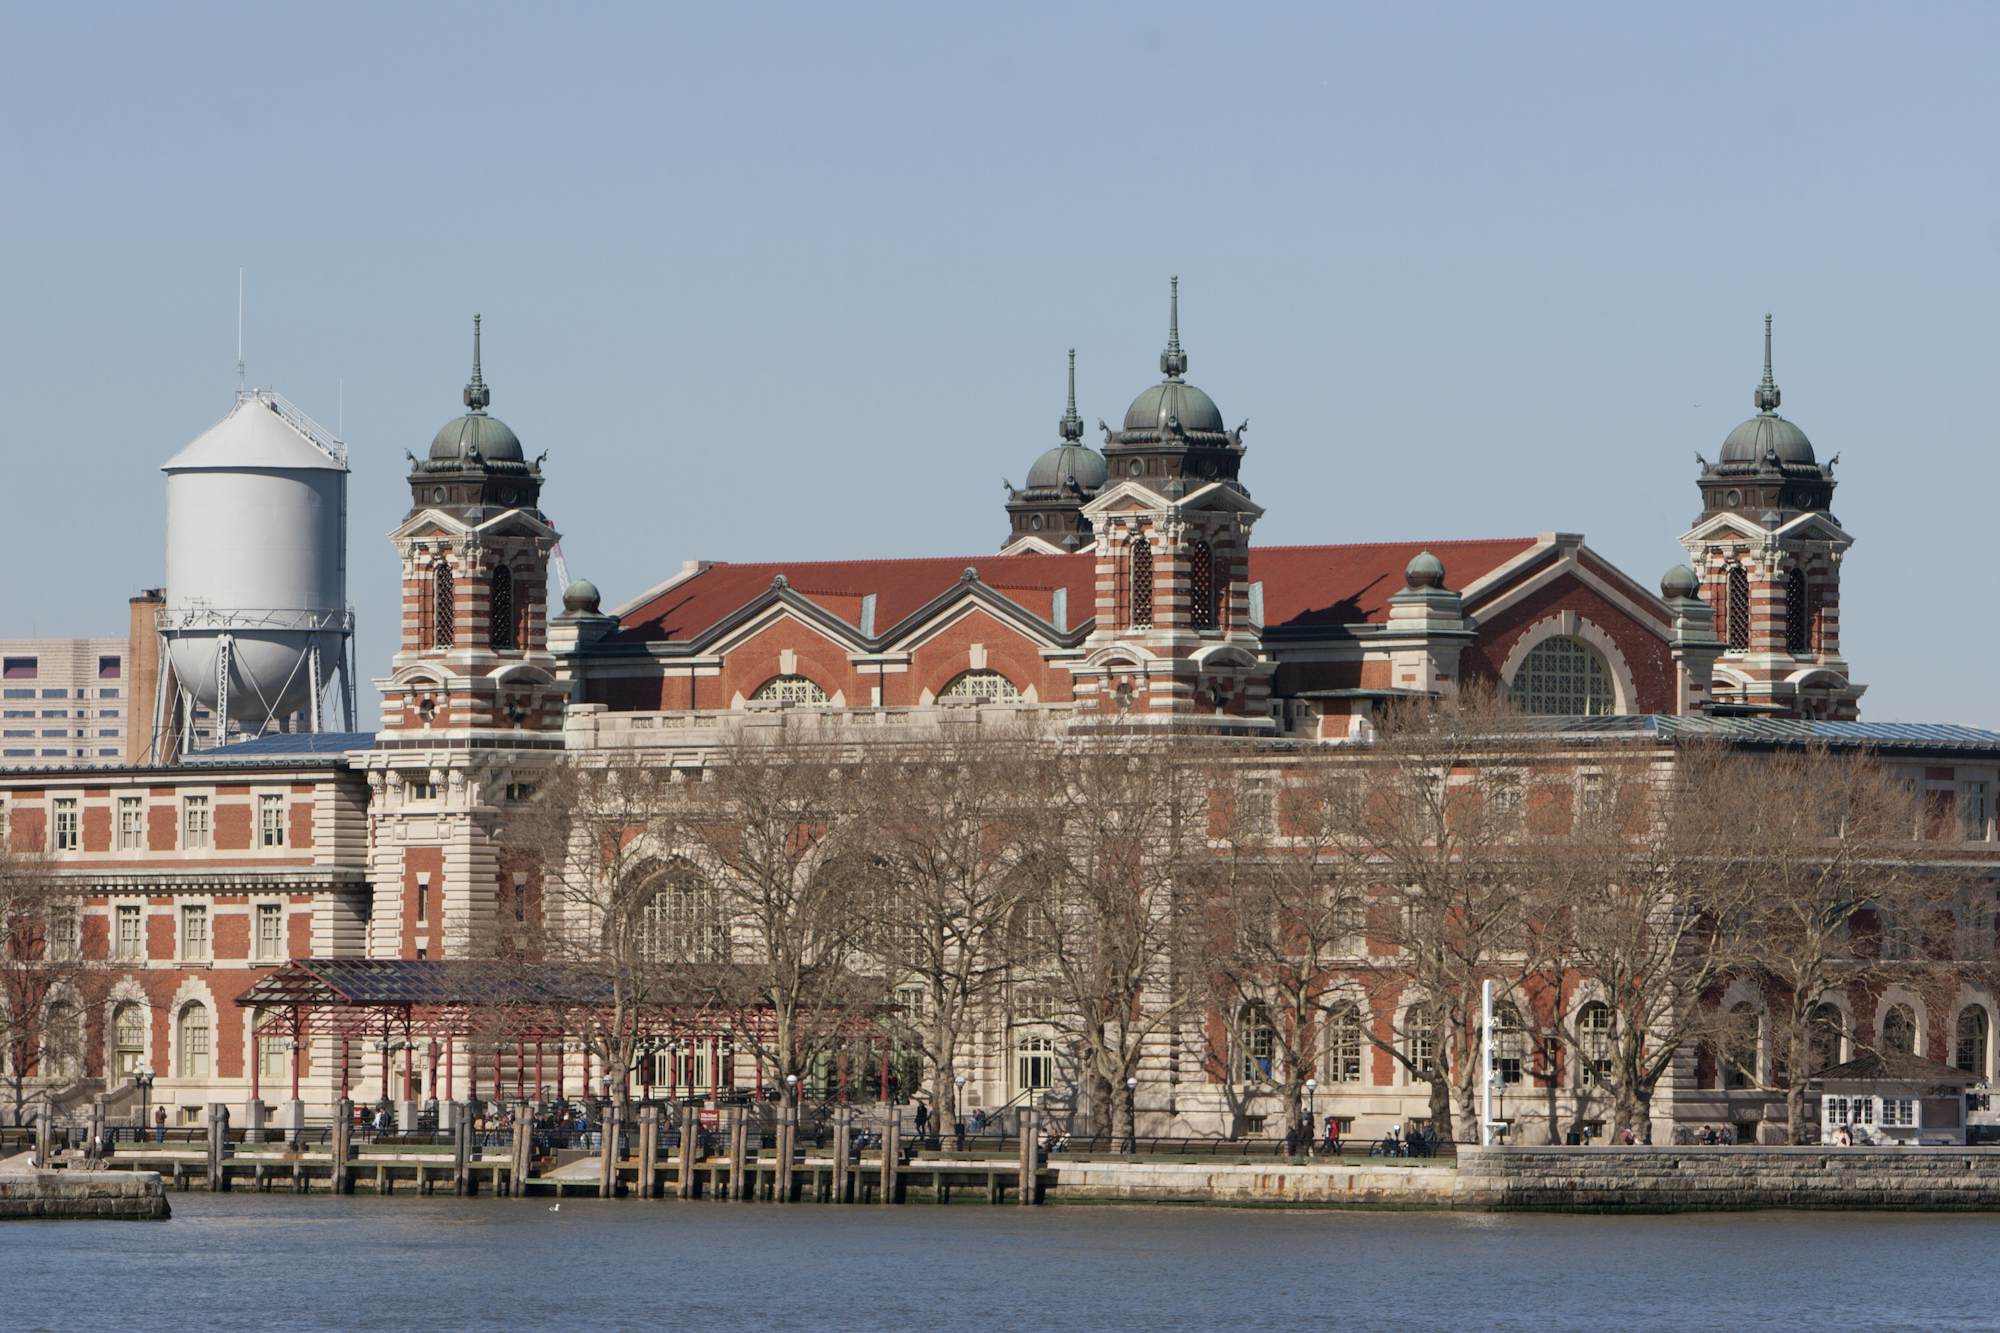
(1892, 1097)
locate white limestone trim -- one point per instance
(1571, 625)
(1506, 569)
(521, 673)
(1815, 676)
(1032, 545)
(126, 991)
(688, 569)
(1652, 613)
(1969, 997)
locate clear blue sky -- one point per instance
(797, 281)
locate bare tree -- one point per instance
(1106, 933)
(775, 829)
(47, 985)
(1840, 895)
(946, 834)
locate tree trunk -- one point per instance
(1441, 1107)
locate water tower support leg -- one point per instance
(223, 646)
(318, 684)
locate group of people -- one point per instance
(1300, 1138)
(1419, 1142)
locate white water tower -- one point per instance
(256, 623)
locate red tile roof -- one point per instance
(1303, 585)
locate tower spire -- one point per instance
(1071, 424)
(1767, 392)
(1173, 361)
(477, 395)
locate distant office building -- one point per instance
(65, 701)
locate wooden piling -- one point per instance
(343, 1131)
(649, 1151)
(461, 1150)
(1029, 1164)
(690, 1133)
(218, 1146)
(891, 1148)
(788, 1129)
(739, 1149)
(523, 1149)
(843, 1149)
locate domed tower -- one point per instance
(1047, 513)
(1767, 551)
(1174, 642)
(472, 709)
(1174, 439)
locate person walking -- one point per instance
(159, 1124)
(1332, 1137)
(923, 1119)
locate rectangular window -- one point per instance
(107, 668)
(194, 933)
(65, 938)
(131, 824)
(108, 692)
(1973, 811)
(19, 668)
(66, 825)
(420, 791)
(194, 821)
(22, 733)
(55, 694)
(423, 899)
(55, 712)
(131, 941)
(109, 754)
(17, 694)
(520, 791)
(271, 821)
(270, 932)
(520, 897)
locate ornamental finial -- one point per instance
(1071, 424)
(477, 395)
(1173, 361)
(1767, 392)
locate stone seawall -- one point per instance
(1636, 1179)
(1612, 1179)
(128, 1196)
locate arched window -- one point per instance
(1739, 609)
(1509, 1046)
(1142, 584)
(1739, 1047)
(1593, 1035)
(987, 685)
(1343, 1044)
(194, 1041)
(1968, 1052)
(62, 1041)
(1256, 1044)
(1899, 1029)
(681, 919)
(791, 690)
(128, 1040)
(443, 603)
(1423, 1041)
(1201, 585)
(500, 615)
(1824, 1036)
(1562, 677)
(1798, 628)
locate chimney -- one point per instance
(142, 678)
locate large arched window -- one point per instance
(1142, 584)
(1899, 1029)
(62, 1041)
(500, 615)
(128, 1040)
(1256, 1044)
(1563, 676)
(681, 919)
(1824, 1034)
(1798, 626)
(1343, 1044)
(987, 685)
(791, 690)
(1968, 1050)
(1201, 585)
(1593, 1034)
(194, 1041)
(1423, 1041)
(443, 606)
(1738, 609)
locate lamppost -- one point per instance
(143, 1078)
(958, 1112)
(1131, 1115)
(1312, 1112)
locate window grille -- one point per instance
(443, 601)
(681, 921)
(271, 821)
(1969, 1050)
(500, 609)
(1562, 677)
(1142, 584)
(1343, 1045)
(791, 690)
(988, 685)
(1816, 617)
(194, 933)
(1201, 586)
(1256, 1044)
(66, 824)
(194, 1042)
(1034, 1064)
(1739, 609)
(1798, 629)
